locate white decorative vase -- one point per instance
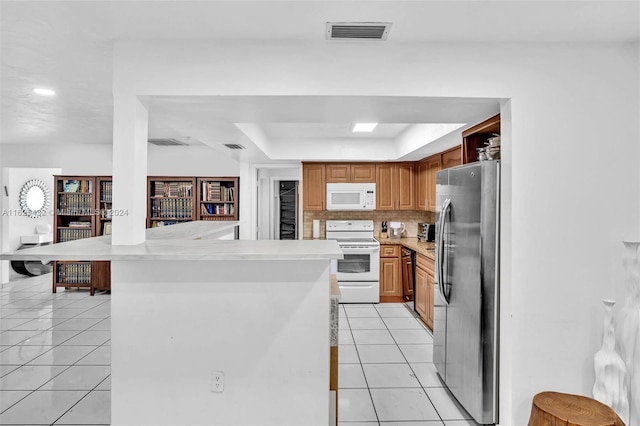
(628, 329)
(610, 386)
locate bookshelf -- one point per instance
(104, 197)
(170, 200)
(217, 198)
(76, 216)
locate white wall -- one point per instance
(249, 320)
(14, 225)
(574, 110)
(96, 159)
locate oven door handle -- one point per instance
(360, 249)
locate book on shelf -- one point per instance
(79, 224)
(75, 185)
(106, 228)
(106, 191)
(215, 191)
(172, 189)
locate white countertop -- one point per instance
(187, 241)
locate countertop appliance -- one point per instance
(396, 229)
(351, 196)
(426, 232)
(408, 275)
(359, 272)
(466, 307)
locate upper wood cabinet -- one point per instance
(476, 137)
(395, 186)
(313, 186)
(451, 158)
(363, 172)
(350, 172)
(338, 172)
(427, 174)
(427, 171)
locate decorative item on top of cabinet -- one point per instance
(350, 172)
(313, 186)
(390, 274)
(217, 198)
(425, 285)
(395, 186)
(477, 136)
(170, 200)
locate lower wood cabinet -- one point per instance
(425, 285)
(390, 273)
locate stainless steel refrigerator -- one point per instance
(466, 299)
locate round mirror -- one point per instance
(34, 198)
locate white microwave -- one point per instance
(351, 196)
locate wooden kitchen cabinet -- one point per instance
(390, 274)
(434, 165)
(476, 137)
(336, 172)
(425, 285)
(395, 186)
(313, 186)
(451, 158)
(421, 185)
(363, 172)
(350, 172)
(427, 174)
(421, 292)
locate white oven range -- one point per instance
(358, 273)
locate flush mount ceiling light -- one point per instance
(363, 127)
(44, 92)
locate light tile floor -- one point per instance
(386, 374)
(55, 362)
(55, 358)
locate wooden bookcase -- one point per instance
(77, 216)
(170, 200)
(104, 198)
(217, 198)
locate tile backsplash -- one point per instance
(410, 219)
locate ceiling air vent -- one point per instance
(357, 30)
(234, 146)
(166, 142)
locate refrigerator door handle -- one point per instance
(446, 206)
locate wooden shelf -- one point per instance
(214, 193)
(476, 137)
(78, 273)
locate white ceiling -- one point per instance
(67, 45)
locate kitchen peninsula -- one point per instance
(208, 331)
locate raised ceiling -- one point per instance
(68, 45)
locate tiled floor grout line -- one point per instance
(421, 386)
(375, 411)
(412, 370)
(78, 402)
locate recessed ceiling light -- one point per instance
(364, 127)
(44, 92)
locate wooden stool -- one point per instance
(561, 409)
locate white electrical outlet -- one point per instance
(217, 382)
